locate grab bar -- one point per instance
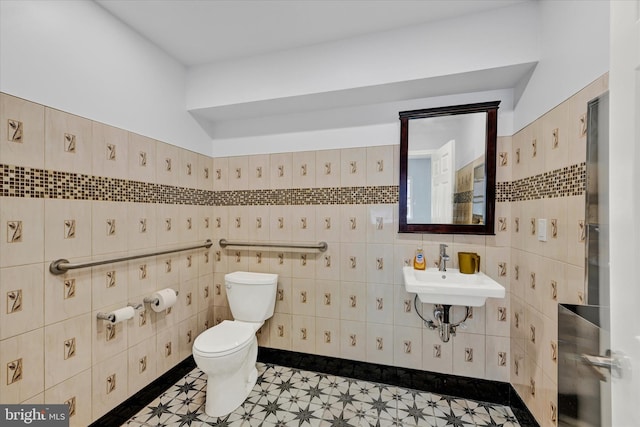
(321, 246)
(61, 266)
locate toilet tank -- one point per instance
(252, 296)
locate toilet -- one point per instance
(227, 353)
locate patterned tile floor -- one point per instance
(292, 397)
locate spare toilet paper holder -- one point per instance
(105, 316)
(109, 317)
(150, 300)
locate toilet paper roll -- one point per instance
(121, 314)
(164, 299)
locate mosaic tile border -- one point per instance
(18, 181)
(463, 197)
(564, 182)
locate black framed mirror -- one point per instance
(448, 169)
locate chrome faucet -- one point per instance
(442, 265)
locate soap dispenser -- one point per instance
(419, 263)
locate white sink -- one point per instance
(451, 287)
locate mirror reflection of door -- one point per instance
(442, 177)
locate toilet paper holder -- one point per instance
(154, 301)
(111, 316)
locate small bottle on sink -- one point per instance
(419, 262)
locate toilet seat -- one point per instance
(226, 338)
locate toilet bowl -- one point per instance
(227, 352)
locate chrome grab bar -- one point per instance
(321, 246)
(61, 266)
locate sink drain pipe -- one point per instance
(441, 314)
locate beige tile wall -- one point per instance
(544, 274)
(347, 302)
(52, 347)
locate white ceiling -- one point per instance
(197, 32)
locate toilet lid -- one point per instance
(224, 337)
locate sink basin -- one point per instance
(451, 287)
